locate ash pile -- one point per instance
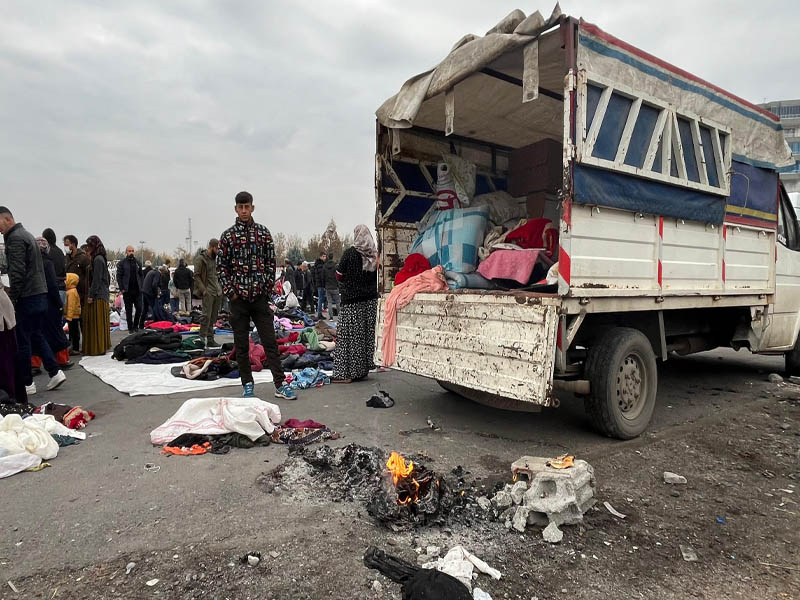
(546, 493)
(400, 493)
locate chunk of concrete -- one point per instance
(674, 478)
(502, 499)
(552, 534)
(518, 491)
(775, 378)
(484, 503)
(563, 495)
(520, 519)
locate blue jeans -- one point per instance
(321, 298)
(155, 305)
(31, 312)
(174, 304)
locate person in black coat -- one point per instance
(318, 278)
(129, 282)
(52, 327)
(183, 278)
(56, 255)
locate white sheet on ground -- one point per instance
(50, 425)
(18, 436)
(213, 416)
(11, 465)
(154, 380)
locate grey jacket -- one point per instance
(24, 260)
(98, 287)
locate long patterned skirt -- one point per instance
(355, 340)
(96, 328)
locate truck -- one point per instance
(675, 235)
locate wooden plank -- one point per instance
(655, 140)
(633, 114)
(677, 149)
(698, 152)
(597, 121)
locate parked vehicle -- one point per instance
(675, 234)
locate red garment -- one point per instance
(532, 235)
(414, 265)
(400, 296)
(164, 325)
(298, 349)
(62, 358)
(292, 337)
(308, 424)
(257, 356)
(77, 418)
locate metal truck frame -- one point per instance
(675, 234)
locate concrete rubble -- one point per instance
(546, 496)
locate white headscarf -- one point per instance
(364, 243)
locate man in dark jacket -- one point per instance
(183, 280)
(59, 262)
(318, 277)
(129, 282)
(151, 297)
(331, 287)
(246, 271)
(28, 293)
(165, 276)
(289, 274)
(206, 286)
(78, 262)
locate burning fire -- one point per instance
(407, 479)
(398, 468)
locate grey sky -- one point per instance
(122, 119)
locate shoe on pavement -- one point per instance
(212, 343)
(56, 380)
(249, 391)
(285, 392)
(30, 389)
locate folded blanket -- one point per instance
(516, 265)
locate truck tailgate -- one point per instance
(498, 343)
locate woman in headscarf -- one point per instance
(52, 324)
(358, 285)
(96, 326)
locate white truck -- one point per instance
(675, 234)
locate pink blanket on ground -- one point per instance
(401, 295)
(510, 264)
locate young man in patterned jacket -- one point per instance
(246, 270)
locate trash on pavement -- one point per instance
(152, 582)
(380, 399)
(251, 559)
(151, 468)
(689, 555)
(613, 511)
(129, 567)
(417, 583)
(13, 587)
(460, 563)
(565, 461)
(479, 594)
(775, 378)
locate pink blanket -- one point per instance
(510, 264)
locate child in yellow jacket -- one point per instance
(72, 312)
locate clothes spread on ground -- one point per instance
(308, 378)
(159, 357)
(400, 296)
(308, 423)
(300, 436)
(137, 344)
(249, 416)
(15, 408)
(215, 444)
(72, 417)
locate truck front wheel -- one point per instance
(621, 367)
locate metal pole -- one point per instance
(141, 251)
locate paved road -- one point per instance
(97, 502)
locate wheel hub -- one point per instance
(631, 386)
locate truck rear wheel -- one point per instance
(621, 367)
(793, 360)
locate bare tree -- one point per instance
(281, 247)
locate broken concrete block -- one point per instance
(552, 534)
(484, 503)
(674, 478)
(563, 495)
(538, 519)
(518, 491)
(520, 519)
(775, 378)
(502, 499)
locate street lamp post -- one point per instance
(141, 251)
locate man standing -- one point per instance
(288, 274)
(77, 262)
(129, 282)
(165, 279)
(28, 294)
(59, 262)
(331, 287)
(246, 270)
(206, 286)
(318, 277)
(183, 281)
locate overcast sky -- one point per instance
(123, 119)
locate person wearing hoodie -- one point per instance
(318, 278)
(206, 286)
(331, 287)
(72, 313)
(183, 281)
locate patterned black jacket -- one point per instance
(246, 261)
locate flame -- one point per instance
(398, 468)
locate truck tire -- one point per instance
(621, 367)
(793, 360)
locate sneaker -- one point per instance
(249, 391)
(56, 380)
(286, 393)
(30, 389)
(212, 343)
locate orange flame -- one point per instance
(398, 468)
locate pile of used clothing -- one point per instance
(31, 435)
(138, 344)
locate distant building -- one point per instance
(789, 112)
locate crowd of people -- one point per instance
(51, 291)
